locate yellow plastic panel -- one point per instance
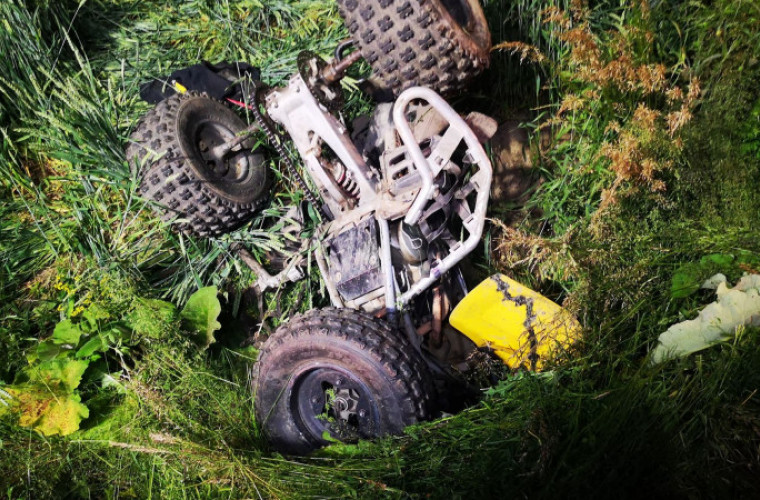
(522, 326)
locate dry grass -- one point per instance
(647, 132)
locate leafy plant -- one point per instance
(200, 314)
(45, 394)
(689, 277)
(46, 399)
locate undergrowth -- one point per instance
(655, 164)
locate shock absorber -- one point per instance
(342, 176)
(344, 179)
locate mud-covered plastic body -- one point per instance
(521, 326)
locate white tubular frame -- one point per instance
(309, 123)
(481, 180)
(407, 137)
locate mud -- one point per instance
(530, 316)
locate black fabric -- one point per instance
(220, 81)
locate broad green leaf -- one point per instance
(46, 411)
(686, 281)
(61, 374)
(46, 351)
(66, 332)
(95, 344)
(200, 315)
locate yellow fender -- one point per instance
(521, 326)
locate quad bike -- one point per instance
(402, 200)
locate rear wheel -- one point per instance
(338, 374)
(440, 44)
(206, 193)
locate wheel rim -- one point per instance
(222, 171)
(332, 400)
(238, 176)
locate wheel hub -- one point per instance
(334, 401)
(230, 167)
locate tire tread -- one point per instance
(154, 154)
(404, 367)
(391, 28)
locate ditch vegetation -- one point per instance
(111, 386)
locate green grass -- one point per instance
(179, 424)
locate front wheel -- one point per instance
(338, 375)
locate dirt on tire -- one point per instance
(346, 341)
(165, 154)
(441, 44)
